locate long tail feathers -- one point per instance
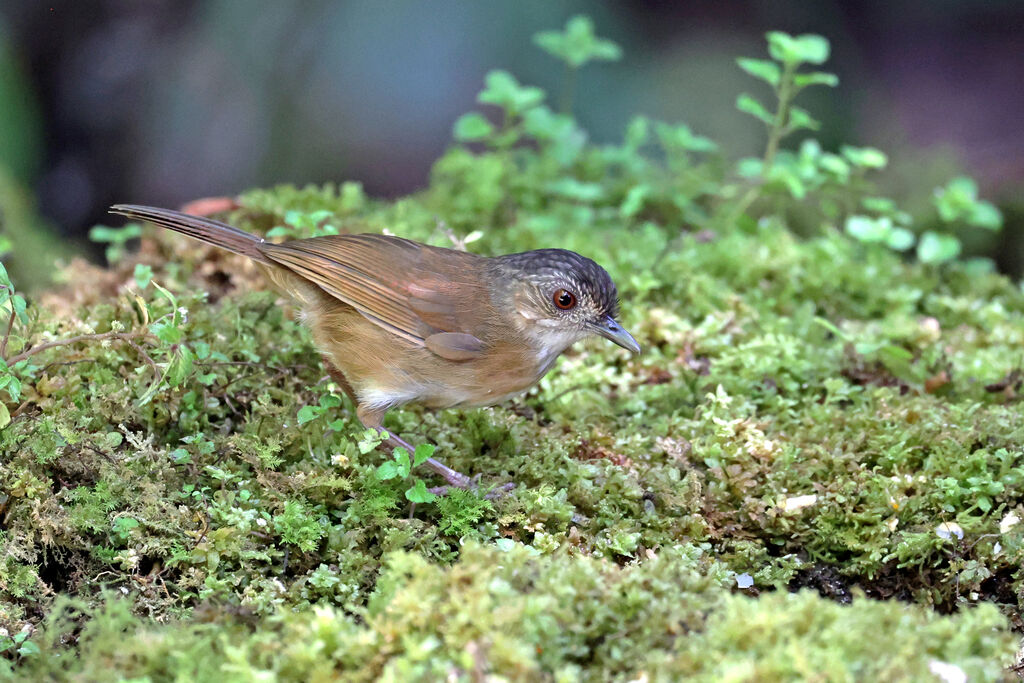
(204, 229)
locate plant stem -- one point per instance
(105, 336)
(777, 131)
(7, 332)
(569, 89)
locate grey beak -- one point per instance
(610, 329)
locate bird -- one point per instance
(397, 321)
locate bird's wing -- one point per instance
(421, 293)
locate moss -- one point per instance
(810, 412)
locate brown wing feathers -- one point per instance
(382, 277)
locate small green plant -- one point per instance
(401, 465)
(18, 644)
(326, 403)
(577, 45)
(298, 225)
(116, 239)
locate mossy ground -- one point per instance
(815, 471)
(205, 532)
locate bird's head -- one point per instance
(562, 297)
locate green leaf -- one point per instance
(834, 164)
(570, 188)
(563, 139)
(638, 131)
(801, 119)
(503, 90)
(309, 413)
(681, 137)
(387, 470)
(983, 215)
(20, 306)
(867, 229)
(5, 415)
(472, 127)
(808, 48)
(634, 200)
(165, 331)
(746, 103)
(865, 157)
(329, 401)
(180, 366)
(900, 239)
(143, 274)
(418, 493)
(370, 439)
(578, 44)
(815, 78)
(761, 68)
(750, 167)
(423, 451)
(934, 247)
(879, 204)
(119, 236)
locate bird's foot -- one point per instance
(454, 478)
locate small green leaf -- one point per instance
(637, 132)
(370, 439)
(834, 164)
(503, 90)
(570, 188)
(19, 305)
(578, 44)
(418, 493)
(900, 239)
(761, 68)
(165, 331)
(879, 204)
(309, 413)
(749, 167)
(801, 119)
(423, 452)
(387, 470)
(5, 415)
(867, 229)
(983, 215)
(865, 157)
(815, 78)
(746, 103)
(329, 401)
(634, 200)
(808, 48)
(934, 247)
(143, 274)
(472, 127)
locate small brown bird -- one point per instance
(398, 321)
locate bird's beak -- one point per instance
(610, 329)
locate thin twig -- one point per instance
(105, 336)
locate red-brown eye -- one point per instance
(564, 299)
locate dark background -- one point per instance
(164, 101)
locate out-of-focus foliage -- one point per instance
(810, 412)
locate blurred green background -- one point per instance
(164, 101)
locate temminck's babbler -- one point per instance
(398, 321)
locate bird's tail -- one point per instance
(203, 229)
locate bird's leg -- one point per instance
(372, 418)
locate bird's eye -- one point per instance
(564, 299)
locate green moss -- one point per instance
(810, 412)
